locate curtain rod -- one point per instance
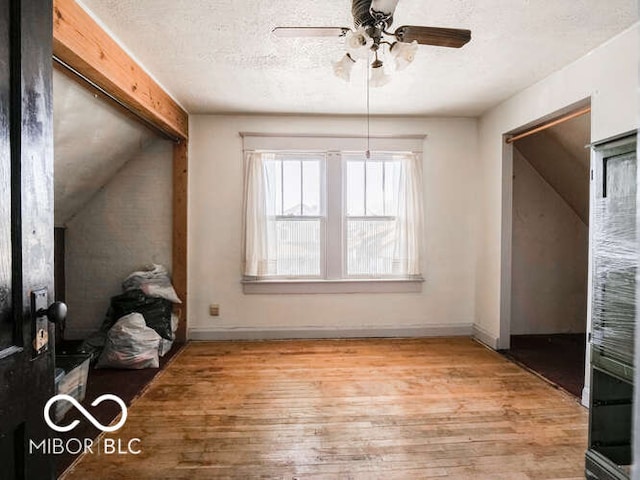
(552, 123)
(109, 96)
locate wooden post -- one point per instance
(179, 267)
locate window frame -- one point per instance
(346, 217)
(322, 217)
(334, 277)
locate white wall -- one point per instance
(609, 76)
(125, 225)
(549, 268)
(446, 304)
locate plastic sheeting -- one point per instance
(615, 260)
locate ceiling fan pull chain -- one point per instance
(368, 153)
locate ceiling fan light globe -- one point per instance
(404, 53)
(378, 77)
(343, 67)
(358, 43)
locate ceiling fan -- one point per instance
(372, 20)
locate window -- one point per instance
(332, 217)
(372, 191)
(295, 211)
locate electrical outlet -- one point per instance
(214, 310)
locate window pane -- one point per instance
(370, 247)
(291, 184)
(355, 188)
(311, 182)
(298, 248)
(375, 196)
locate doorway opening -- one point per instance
(550, 252)
(113, 181)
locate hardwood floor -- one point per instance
(352, 409)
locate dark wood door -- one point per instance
(26, 235)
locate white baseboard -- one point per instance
(485, 337)
(457, 330)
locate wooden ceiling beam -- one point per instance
(80, 43)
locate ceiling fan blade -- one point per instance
(310, 31)
(440, 37)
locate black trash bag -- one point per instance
(94, 344)
(156, 311)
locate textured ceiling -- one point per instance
(219, 55)
(92, 141)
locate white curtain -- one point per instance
(259, 227)
(259, 232)
(407, 252)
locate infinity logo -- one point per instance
(83, 411)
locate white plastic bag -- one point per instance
(130, 344)
(154, 281)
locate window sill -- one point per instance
(387, 285)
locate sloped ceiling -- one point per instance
(220, 56)
(559, 156)
(574, 136)
(92, 141)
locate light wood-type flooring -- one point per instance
(445, 408)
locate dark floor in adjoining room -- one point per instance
(559, 358)
(127, 384)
